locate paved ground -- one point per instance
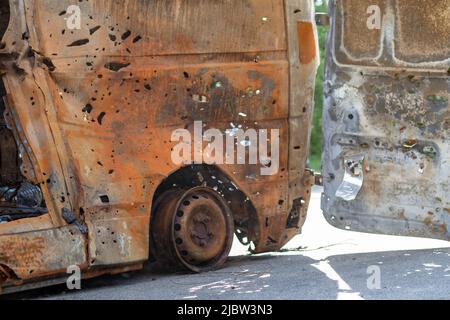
(322, 263)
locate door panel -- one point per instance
(387, 118)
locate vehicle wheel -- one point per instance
(192, 229)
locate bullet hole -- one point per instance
(297, 11)
(110, 172)
(137, 39)
(100, 164)
(186, 75)
(94, 30)
(49, 63)
(148, 87)
(79, 43)
(199, 98)
(126, 35)
(62, 13)
(281, 202)
(116, 66)
(112, 37)
(351, 116)
(101, 117)
(104, 199)
(88, 108)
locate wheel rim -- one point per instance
(198, 228)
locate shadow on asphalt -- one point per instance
(288, 275)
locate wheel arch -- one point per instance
(244, 213)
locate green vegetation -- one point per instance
(316, 138)
(322, 8)
(315, 157)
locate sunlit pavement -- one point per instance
(322, 263)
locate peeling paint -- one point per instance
(93, 111)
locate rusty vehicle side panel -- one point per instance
(387, 103)
(95, 109)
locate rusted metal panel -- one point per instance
(40, 223)
(95, 108)
(303, 63)
(116, 237)
(41, 253)
(387, 99)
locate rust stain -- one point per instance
(307, 41)
(387, 97)
(94, 111)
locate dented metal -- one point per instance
(89, 113)
(353, 178)
(92, 112)
(387, 95)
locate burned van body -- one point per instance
(93, 93)
(115, 113)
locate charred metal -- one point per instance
(85, 141)
(387, 99)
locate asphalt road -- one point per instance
(322, 263)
